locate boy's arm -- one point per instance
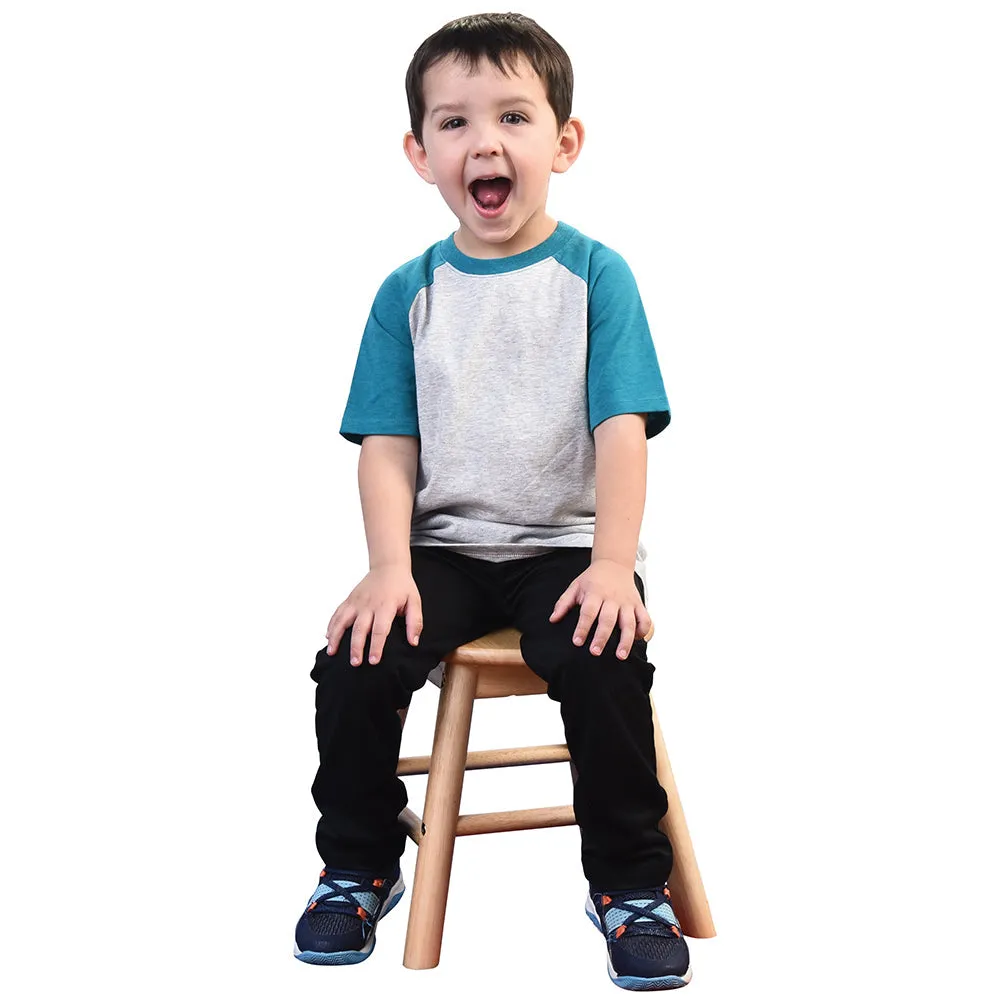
(606, 590)
(620, 444)
(387, 473)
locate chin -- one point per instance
(489, 234)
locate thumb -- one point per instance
(414, 618)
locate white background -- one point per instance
(198, 202)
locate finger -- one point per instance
(588, 612)
(414, 619)
(339, 624)
(605, 626)
(359, 634)
(565, 602)
(646, 626)
(383, 622)
(626, 621)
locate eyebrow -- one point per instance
(517, 99)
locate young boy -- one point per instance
(504, 390)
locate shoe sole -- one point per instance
(636, 982)
(360, 954)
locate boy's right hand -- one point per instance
(372, 607)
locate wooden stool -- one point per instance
(492, 667)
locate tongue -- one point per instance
(492, 193)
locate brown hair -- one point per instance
(501, 38)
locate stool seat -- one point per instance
(492, 667)
(500, 668)
(500, 648)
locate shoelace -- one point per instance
(627, 901)
(344, 899)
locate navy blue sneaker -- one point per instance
(338, 926)
(646, 950)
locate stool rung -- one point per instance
(552, 753)
(515, 819)
(414, 825)
(494, 822)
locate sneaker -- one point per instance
(646, 950)
(338, 926)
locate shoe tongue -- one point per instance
(349, 875)
(646, 902)
(340, 876)
(491, 193)
(646, 899)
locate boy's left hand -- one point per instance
(605, 591)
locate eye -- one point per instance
(514, 114)
(448, 123)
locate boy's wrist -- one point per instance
(399, 562)
(618, 559)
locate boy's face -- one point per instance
(486, 125)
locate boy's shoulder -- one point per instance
(403, 283)
(588, 258)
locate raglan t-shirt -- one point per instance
(503, 367)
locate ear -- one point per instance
(569, 146)
(417, 155)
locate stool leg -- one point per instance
(444, 794)
(687, 893)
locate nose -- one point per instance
(486, 142)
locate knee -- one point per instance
(336, 669)
(399, 664)
(602, 674)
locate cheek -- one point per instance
(452, 171)
(538, 165)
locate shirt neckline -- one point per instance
(501, 265)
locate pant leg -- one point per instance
(605, 708)
(358, 730)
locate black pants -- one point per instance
(604, 703)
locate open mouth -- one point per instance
(491, 192)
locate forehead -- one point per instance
(451, 82)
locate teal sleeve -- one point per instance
(383, 396)
(623, 375)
